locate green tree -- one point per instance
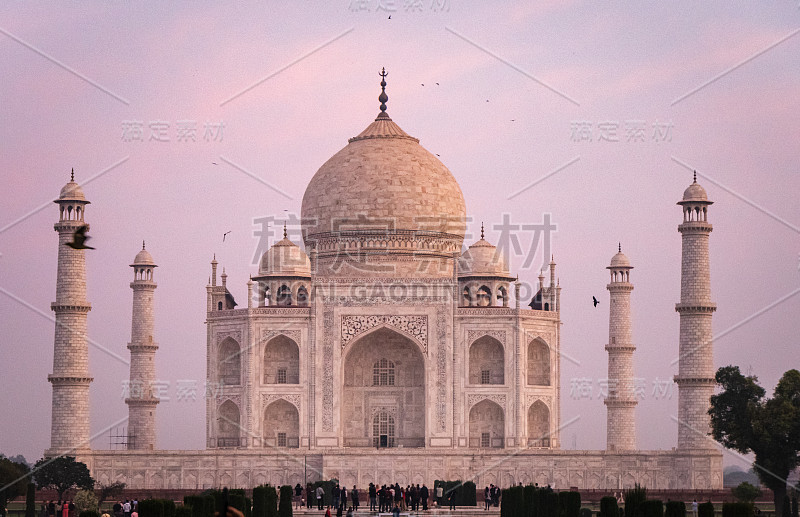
(13, 480)
(86, 500)
(110, 491)
(61, 474)
(744, 420)
(745, 492)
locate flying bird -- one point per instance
(213, 163)
(225, 234)
(390, 16)
(423, 84)
(79, 238)
(437, 84)
(595, 301)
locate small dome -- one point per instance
(143, 258)
(72, 192)
(285, 258)
(695, 193)
(620, 260)
(482, 259)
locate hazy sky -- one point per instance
(611, 105)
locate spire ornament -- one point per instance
(481, 230)
(695, 176)
(72, 175)
(383, 97)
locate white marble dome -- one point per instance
(482, 259)
(383, 181)
(284, 258)
(143, 258)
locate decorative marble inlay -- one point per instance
(499, 398)
(473, 335)
(291, 398)
(415, 326)
(327, 372)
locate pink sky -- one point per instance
(627, 62)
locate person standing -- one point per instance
(354, 497)
(373, 497)
(320, 495)
(343, 497)
(335, 493)
(327, 511)
(298, 495)
(451, 497)
(423, 494)
(439, 495)
(126, 508)
(487, 498)
(695, 507)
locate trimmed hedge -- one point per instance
(169, 507)
(634, 497)
(651, 508)
(705, 509)
(285, 502)
(183, 511)
(675, 509)
(585, 512)
(569, 504)
(737, 510)
(151, 508)
(608, 507)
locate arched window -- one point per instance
(486, 361)
(538, 363)
(383, 430)
(502, 297)
(383, 373)
(538, 425)
(219, 306)
(229, 362)
(281, 361)
(484, 297)
(302, 296)
(228, 427)
(465, 298)
(284, 297)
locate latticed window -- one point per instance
(281, 439)
(383, 373)
(280, 378)
(485, 379)
(383, 430)
(485, 440)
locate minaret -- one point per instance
(141, 401)
(621, 400)
(70, 378)
(695, 377)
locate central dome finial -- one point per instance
(383, 97)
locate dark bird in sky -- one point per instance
(225, 234)
(487, 100)
(437, 84)
(437, 154)
(79, 238)
(595, 301)
(213, 163)
(390, 16)
(423, 84)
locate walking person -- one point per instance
(695, 507)
(451, 497)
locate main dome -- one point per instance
(383, 181)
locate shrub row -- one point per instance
(531, 501)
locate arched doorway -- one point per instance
(538, 363)
(383, 393)
(229, 362)
(538, 425)
(486, 362)
(486, 425)
(281, 361)
(281, 425)
(228, 426)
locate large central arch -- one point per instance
(383, 393)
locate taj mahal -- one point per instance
(387, 349)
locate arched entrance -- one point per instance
(383, 393)
(538, 425)
(281, 425)
(486, 425)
